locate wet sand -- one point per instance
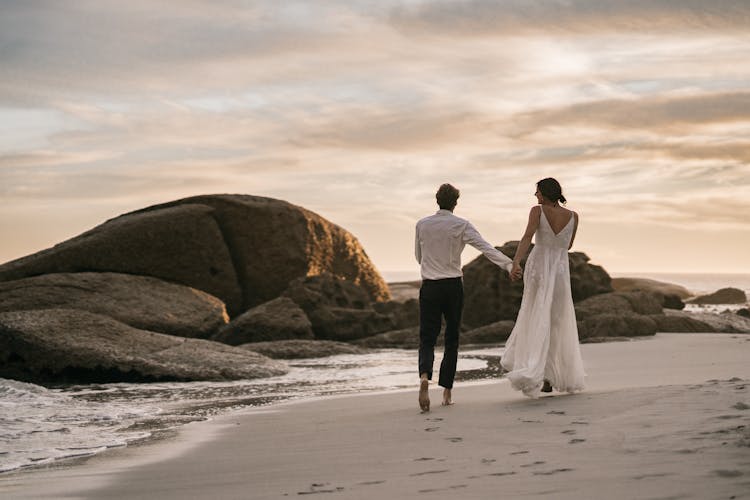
(663, 417)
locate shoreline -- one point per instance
(295, 445)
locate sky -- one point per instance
(359, 110)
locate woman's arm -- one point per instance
(575, 229)
(525, 243)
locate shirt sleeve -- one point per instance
(417, 247)
(473, 238)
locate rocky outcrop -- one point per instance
(297, 349)
(64, 345)
(722, 296)
(616, 325)
(278, 319)
(406, 338)
(649, 285)
(139, 301)
(490, 296)
(726, 322)
(181, 244)
(338, 309)
(494, 333)
(619, 303)
(680, 324)
(242, 249)
(403, 314)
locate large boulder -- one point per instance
(635, 302)
(139, 301)
(242, 249)
(616, 325)
(406, 338)
(278, 319)
(726, 322)
(297, 349)
(404, 314)
(680, 324)
(494, 333)
(182, 244)
(649, 285)
(54, 346)
(722, 296)
(337, 308)
(490, 296)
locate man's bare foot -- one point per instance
(447, 401)
(424, 396)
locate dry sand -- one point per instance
(663, 417)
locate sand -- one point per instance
(663, 417)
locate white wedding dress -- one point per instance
(544, 341)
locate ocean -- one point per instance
(41, 426)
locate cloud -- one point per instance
(516, 17)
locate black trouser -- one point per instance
(437, 299)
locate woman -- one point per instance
(543, 351)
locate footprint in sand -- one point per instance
(741, 406)
(432, 429)
(531, 421)
(455, 439)
(555, 412)
(550, 472)
(534, 464)
(576, 441)
(728, 473)
(371, 483)
(423, 459)
(579, 422)
(316, 488)
(488, 460)
(428, 472)
(520, 452)
(569, 431)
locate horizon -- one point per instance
(359, 111)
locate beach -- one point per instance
(662, 417)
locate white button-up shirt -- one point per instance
(441, 238)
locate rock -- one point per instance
(679, 324)
(181, 244)
(722, 296)
(407, 338)
(672, 301)
(242, 249)
(139, 301)
(490, 296)
(338, 309)
(744, 312)
(724, 322)
(636, 302)
(278, 319)
(649, 285)
(616, 325)
(403, 314)
(494, 333)
(54, 346)
(297, 349)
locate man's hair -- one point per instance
(447, 197)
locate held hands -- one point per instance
(516, 273)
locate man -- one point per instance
(439, 241)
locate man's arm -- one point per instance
(417, 247)
(473, 238)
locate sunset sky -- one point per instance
(358, 110)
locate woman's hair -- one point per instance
(447, 197)
(551, 190)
